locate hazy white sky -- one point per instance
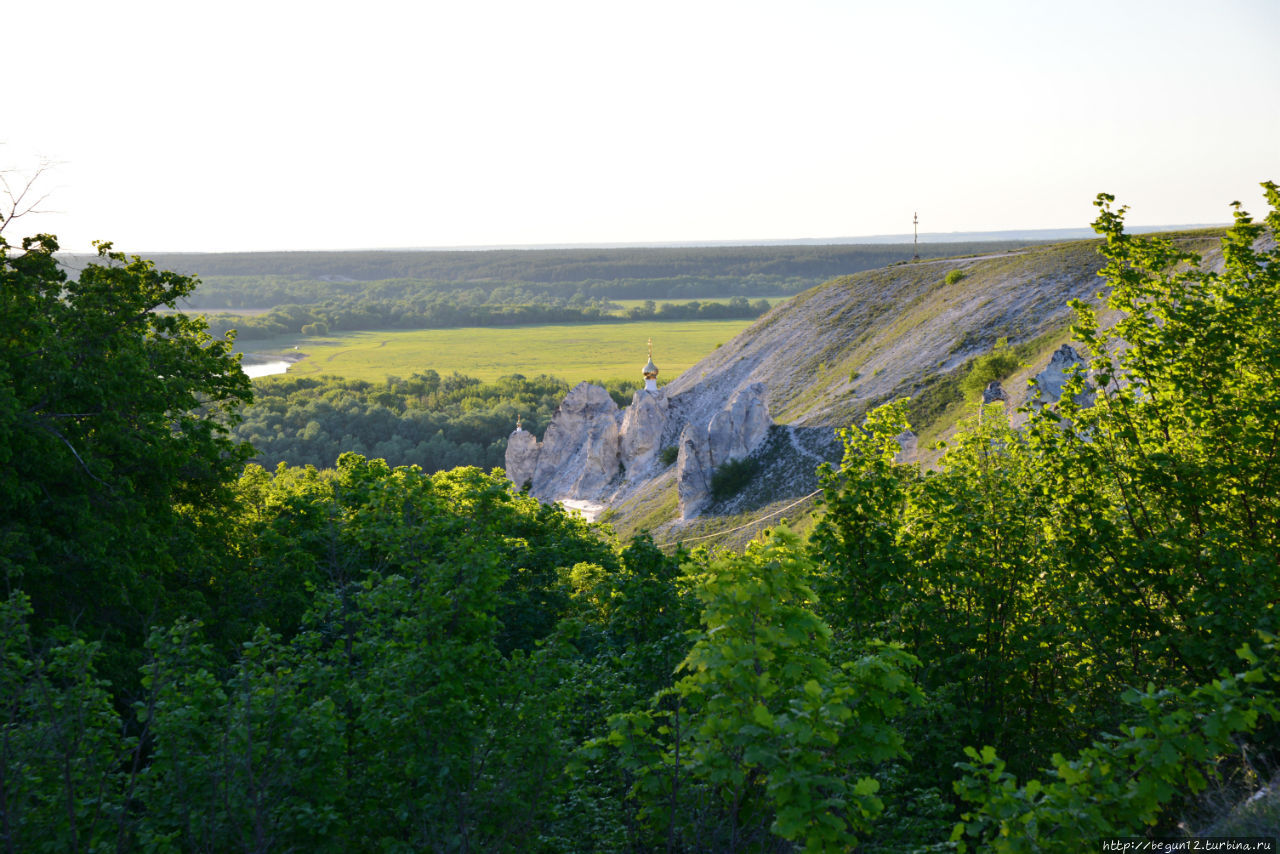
(307, 125)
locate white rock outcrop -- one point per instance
(522, 456)
(592, 451)
(731, 434)
(579, 454)
(1050, 381)
(693, 471)
(642, 425)
(734, 431)
(908, 446)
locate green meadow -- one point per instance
(574, 352)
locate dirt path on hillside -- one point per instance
(802, 451)
(1006, 254)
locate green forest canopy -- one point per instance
(436, 423)
(447, 312)
(1063, 633)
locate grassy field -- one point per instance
(574, 352)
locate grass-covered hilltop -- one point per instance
(1056, 627)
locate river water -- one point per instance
(266, 369)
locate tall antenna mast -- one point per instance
(915, 241)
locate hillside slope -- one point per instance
(837, 350)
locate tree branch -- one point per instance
(18, 205)
(75, 454)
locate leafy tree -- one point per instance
(856, 541)
(1119, 785)
(641, 613)
(955, 565)
(1175, 466)
(1039, 573)
(115, 461)
(62, 751)
(249, 764)
(996, 365)
(425, 699)
(763, 733)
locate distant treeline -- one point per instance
(259, 292)
(347, 291)
(546, 266)
(434, 422)
(434, 312)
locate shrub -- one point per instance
(953, 277)
(669, 454)
(731, 477)
(996, 365)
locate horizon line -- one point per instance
(1070, 233)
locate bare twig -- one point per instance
(17, 194)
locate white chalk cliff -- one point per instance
(522, 456)
(591, 449)
(642, 425)
(731, 434)
(823, 359)
(578, 456)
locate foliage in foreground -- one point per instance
(764, 733)
(1122, 783)
(115, 453)
(1038, 574)
(427, 695)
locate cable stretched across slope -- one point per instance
(740, 527)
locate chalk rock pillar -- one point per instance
(642, 424)
(693, 471)
(579, 454)
(733, 433)
(735, 430)
(522, 456)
